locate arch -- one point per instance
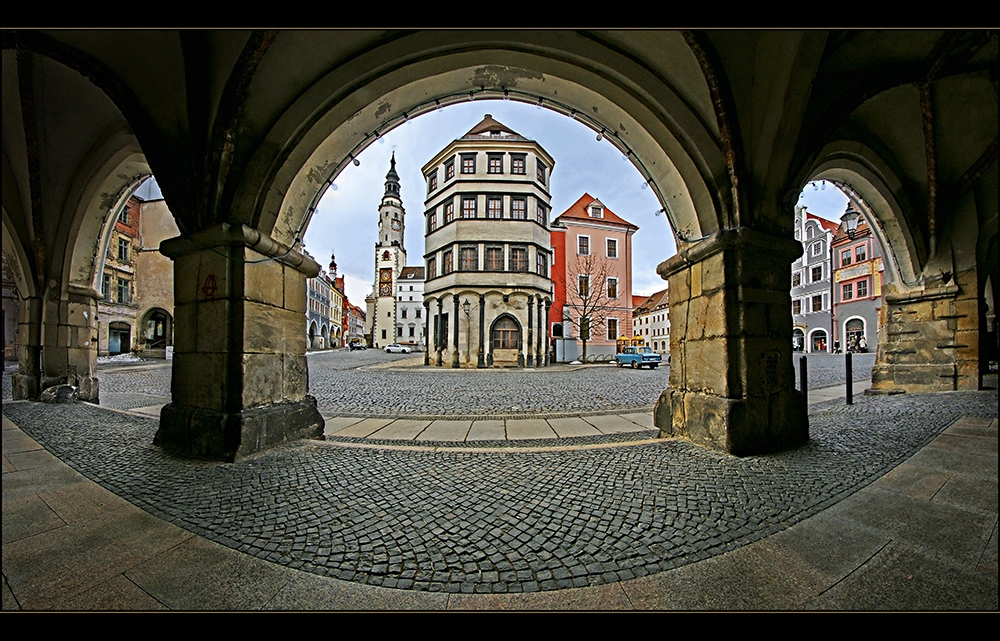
(505, 333)
(156, 329)
(798, 340)
(672, 143)
(818, 340)
(854, 328)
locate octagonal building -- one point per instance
(487, 250)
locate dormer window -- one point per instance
(596, 211)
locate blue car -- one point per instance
(637, 357)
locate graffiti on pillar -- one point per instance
(210, 286)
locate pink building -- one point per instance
(592, 275)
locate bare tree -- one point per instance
(588, 304)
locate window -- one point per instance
(518, 208)
(541, 170)
(847, 292)
(583, 286)
(517, 165)
(597, 211)
(432, 221)
(403, 313)
(859, 253)
(494, 207)
(449, 170)
(122, 250)
(506, 334)
(431, 268)
(816, 249)
(583, 245)
(612, 248)
(518, 259)
(541, 214)
(862, 288)
(469, 163)
(468, 208)
(411, 331)
(542, 264)
(796, 279)
(612, 288)
(817, 274)
(106, 287)
(417, 314)
(796, 307)
(446, 264)
(383, 334)
(495, 164)
(494, 258)
(468, 258)
(123, 292)
(123, 217)
(612, 329)
(845, 258)
(432, 182)
(449, 212)
(810, 232)
(817, 303)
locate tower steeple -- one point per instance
(391, 180)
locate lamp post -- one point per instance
(467, 308)
(851, 218)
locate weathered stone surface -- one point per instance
(59, 394)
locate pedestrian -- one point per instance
(862, 344)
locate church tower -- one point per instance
(390, 258)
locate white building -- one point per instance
(411, 321)
(487, 250)
(651, 321)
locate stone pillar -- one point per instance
(931, 340)
(240, 380)
(439, 337)
(538, 336)
(427, 331)
(480, 360)
(25, 383)
(732, 385)
(530, 357)
(59, 344)
(548, 323)
(454, 350)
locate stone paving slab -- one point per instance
(613, 424)
(443, 430)
(529, 428)
(363, 428)
(401, 429)
(645, 419)
(572, 426)
(488, 430)
(335, 423)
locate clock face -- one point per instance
(385, 289)
(395, 225)
(385, 275)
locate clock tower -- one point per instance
(390, 258)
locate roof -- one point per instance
(487, 127)
(828, 225)
(412, 273)
(578, 211)
(654, 301)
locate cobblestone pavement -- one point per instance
(373, 383)
(496, 518)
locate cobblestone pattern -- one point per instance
(489, 521)
(824, 370)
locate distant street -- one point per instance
(374, 383)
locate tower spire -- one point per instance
(392, 179)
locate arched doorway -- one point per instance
(798, 340)
(854, 331)
(818, 341)
(119, 338)
(505, 341)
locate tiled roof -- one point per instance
(578, 210)
(488, 125)
(412, 273)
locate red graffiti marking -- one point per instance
(210, 286)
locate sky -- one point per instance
(346, 219)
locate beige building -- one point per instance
(487, 250)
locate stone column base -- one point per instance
(220, 436)
(24, 387)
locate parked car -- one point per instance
(358, 345)
(396, 348)
(637, 357)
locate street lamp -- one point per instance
(850, 220)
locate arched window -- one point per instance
(506, 334)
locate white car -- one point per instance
(396, 348)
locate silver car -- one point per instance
(396, 348)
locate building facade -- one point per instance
(857, 290)
(812, 278)
(651, 321)
(592, 277)
(116, 313)
(320, 303)
(154, 281)
(390, 259)
(411, 322)
(487, 250)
